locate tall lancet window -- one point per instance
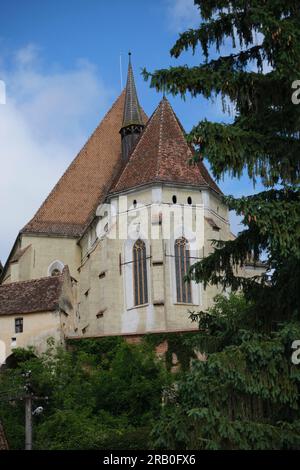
(140, 273)
(182, 264)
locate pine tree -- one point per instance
(259, 77)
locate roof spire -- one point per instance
(132, 124)
(162, 155)
(132, 110)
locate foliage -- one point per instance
(132, 386)
(99, 396)
(246, 394)
(178, 344)
(262, 139)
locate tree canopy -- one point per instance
(246, 395)
(101, 394)
(256, 75)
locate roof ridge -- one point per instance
(31, 296)
(73, 162)
(160, 132)
(102, 120)
(131, 156)
(203, 170)
(137, 144)
(176, 119)
(162, 153)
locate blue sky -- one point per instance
(60, 61)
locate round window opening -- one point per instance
(174, 199)
(189, 200)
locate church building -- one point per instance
(108, 250)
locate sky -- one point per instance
(60, 63)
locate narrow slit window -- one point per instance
(182, 264)
(140, 273)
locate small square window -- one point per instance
(18, 325)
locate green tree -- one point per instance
(132, 386)
(245, 395)
(101, 394)
(263, 140)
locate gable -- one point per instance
(163, 155)
(71, 204)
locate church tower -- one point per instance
(132, 124)
(73, 271)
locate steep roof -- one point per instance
(71, 204)
(132, 110)
(162, 155)
(38, 295)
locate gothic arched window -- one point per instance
(140, 273)
(55, 268)
(182, 264)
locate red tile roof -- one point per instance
(162, 155)
(71, 204)
(38, 295)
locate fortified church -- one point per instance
(107, 252)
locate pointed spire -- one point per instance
(132, 124)
(162, 154)
(132, 110)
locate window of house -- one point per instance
(182, 264)
(140, 273)
(134, 203)
(174, 199)
(189, 200)
(18, 325)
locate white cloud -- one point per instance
(182, 14)
(27, 55)
(45, 121)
